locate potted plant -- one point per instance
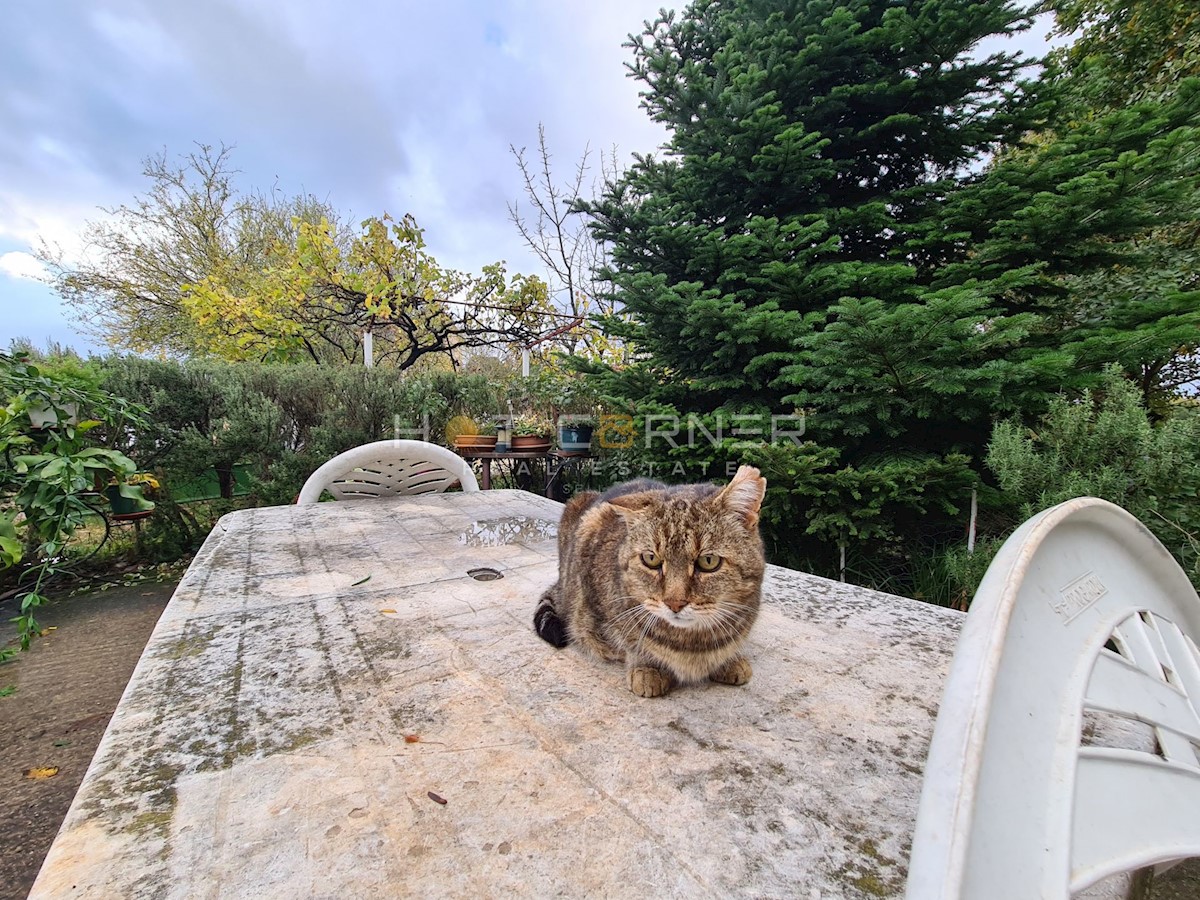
(531, 433)
(575, 433)
(128, 497)
(473, 436)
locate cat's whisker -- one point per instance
(631, 613)
(631, 616)
(640, 619)
(720, 628)
(724, 623)
(648, 623)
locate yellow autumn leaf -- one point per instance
(41, 772)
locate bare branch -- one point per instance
(557, 232)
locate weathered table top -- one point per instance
(321, 669)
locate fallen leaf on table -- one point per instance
(412, 739)
(436, 799)
(392, 611)
(41, 772)
(361, 581)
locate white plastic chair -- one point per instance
(1082, 609)
(389, 469)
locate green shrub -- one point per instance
(1106, 445)
(51, 466)
(283, 421)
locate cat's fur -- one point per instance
(670, 624)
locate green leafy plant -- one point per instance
(532, 424)
(48, 475)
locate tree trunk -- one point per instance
(225, 480)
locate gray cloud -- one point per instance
(372, 105)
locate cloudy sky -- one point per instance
(373, 105)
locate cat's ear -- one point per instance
(744, 495)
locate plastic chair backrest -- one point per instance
(1082, 609)
(389, 469)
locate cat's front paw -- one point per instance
(736, 671)
(646, 681)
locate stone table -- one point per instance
(326, 675)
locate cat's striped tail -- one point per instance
(547, 624)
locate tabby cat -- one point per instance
(665, 579)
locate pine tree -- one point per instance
(814, 233)
(804, 138)
(1143, 53)
(856, 216)
(1009, 308)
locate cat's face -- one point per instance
(692, 558)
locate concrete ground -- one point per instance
(67, 687)
(1181, 883)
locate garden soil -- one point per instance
(67, 687)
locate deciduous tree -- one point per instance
(129, 284)
(555, 229)
(196, 267)
(316, 297)
(1125, 50)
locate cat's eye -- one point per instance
(708, 562)
(652, 560)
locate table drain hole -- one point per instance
(484, 574)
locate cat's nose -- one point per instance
(675, 604)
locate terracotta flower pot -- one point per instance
(529, 443)
(481, 442)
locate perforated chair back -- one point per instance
(389, 469)
(1082, 615)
